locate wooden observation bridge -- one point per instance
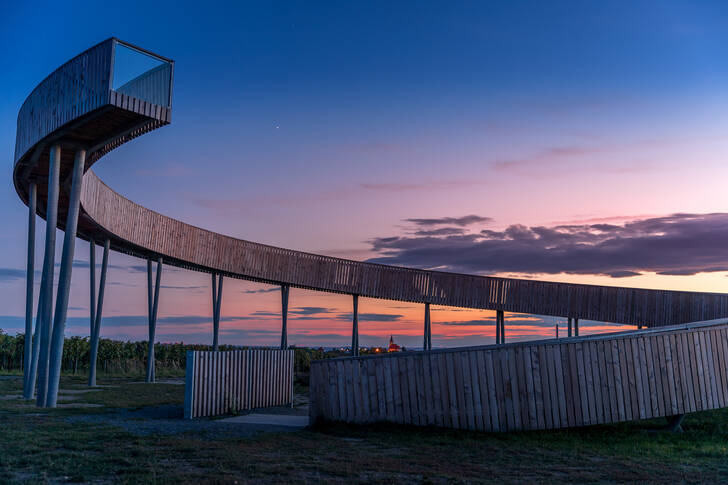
(115, 92)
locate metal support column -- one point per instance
(569, 331)
(36, 345)
(152, 305)
(503, 326)
(497, 328)
(64, 279)
(48, 271)
(285, 289)
(355, 327)
(214, 312)
(576, 327)
(96, 323)
(428, 329)
(92, 286)
(216, 303)
(30, 277)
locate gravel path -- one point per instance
(169, 420)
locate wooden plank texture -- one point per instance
(537, 385)
(226, 382)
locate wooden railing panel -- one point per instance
(526, 386)
(141, 230)
(226, 382)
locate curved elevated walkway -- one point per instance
(85, 109)
(76, 107)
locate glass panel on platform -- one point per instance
(142, 75)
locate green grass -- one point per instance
(47, 446)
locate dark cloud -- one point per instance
(141, 320)
(264, 313)
(12, 274)
(309, 310)
(560, 160)
(442, 231)
(678, 244)
(371, 317)
(456, 221)
(263, 290)
(83, 263)
(184, 287)
(535, 321)
(546, 322)
(121, 283)
(137, 268)
(229, 336)
(142, 268)
(198, 319)
(543, 322)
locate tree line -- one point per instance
(129, 358)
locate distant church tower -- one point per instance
(392, 346)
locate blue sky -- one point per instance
(329, 127)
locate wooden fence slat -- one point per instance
(493, 403)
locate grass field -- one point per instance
(84, 445)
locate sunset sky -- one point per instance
(568, 141)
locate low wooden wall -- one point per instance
(226, 382)
(535, 385)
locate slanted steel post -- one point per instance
(285, 289)
(497, 328)
(64, 280)
(355, 327)
(92, 286)
(36, 345)
(569, 327)
(216, 302)
(214, 312)
(576, 327)
(152, 306)
(49, 258)
(428, 329)
(30, 277)
(503, 326)
(96, 324)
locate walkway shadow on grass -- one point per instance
(169, 420)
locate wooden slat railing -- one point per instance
(75, 89)
(534, 385)
(230, 381)
(145, 231)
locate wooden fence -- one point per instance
(226, 382)
(535, 385)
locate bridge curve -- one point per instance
(80, 106)
(85, 109)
